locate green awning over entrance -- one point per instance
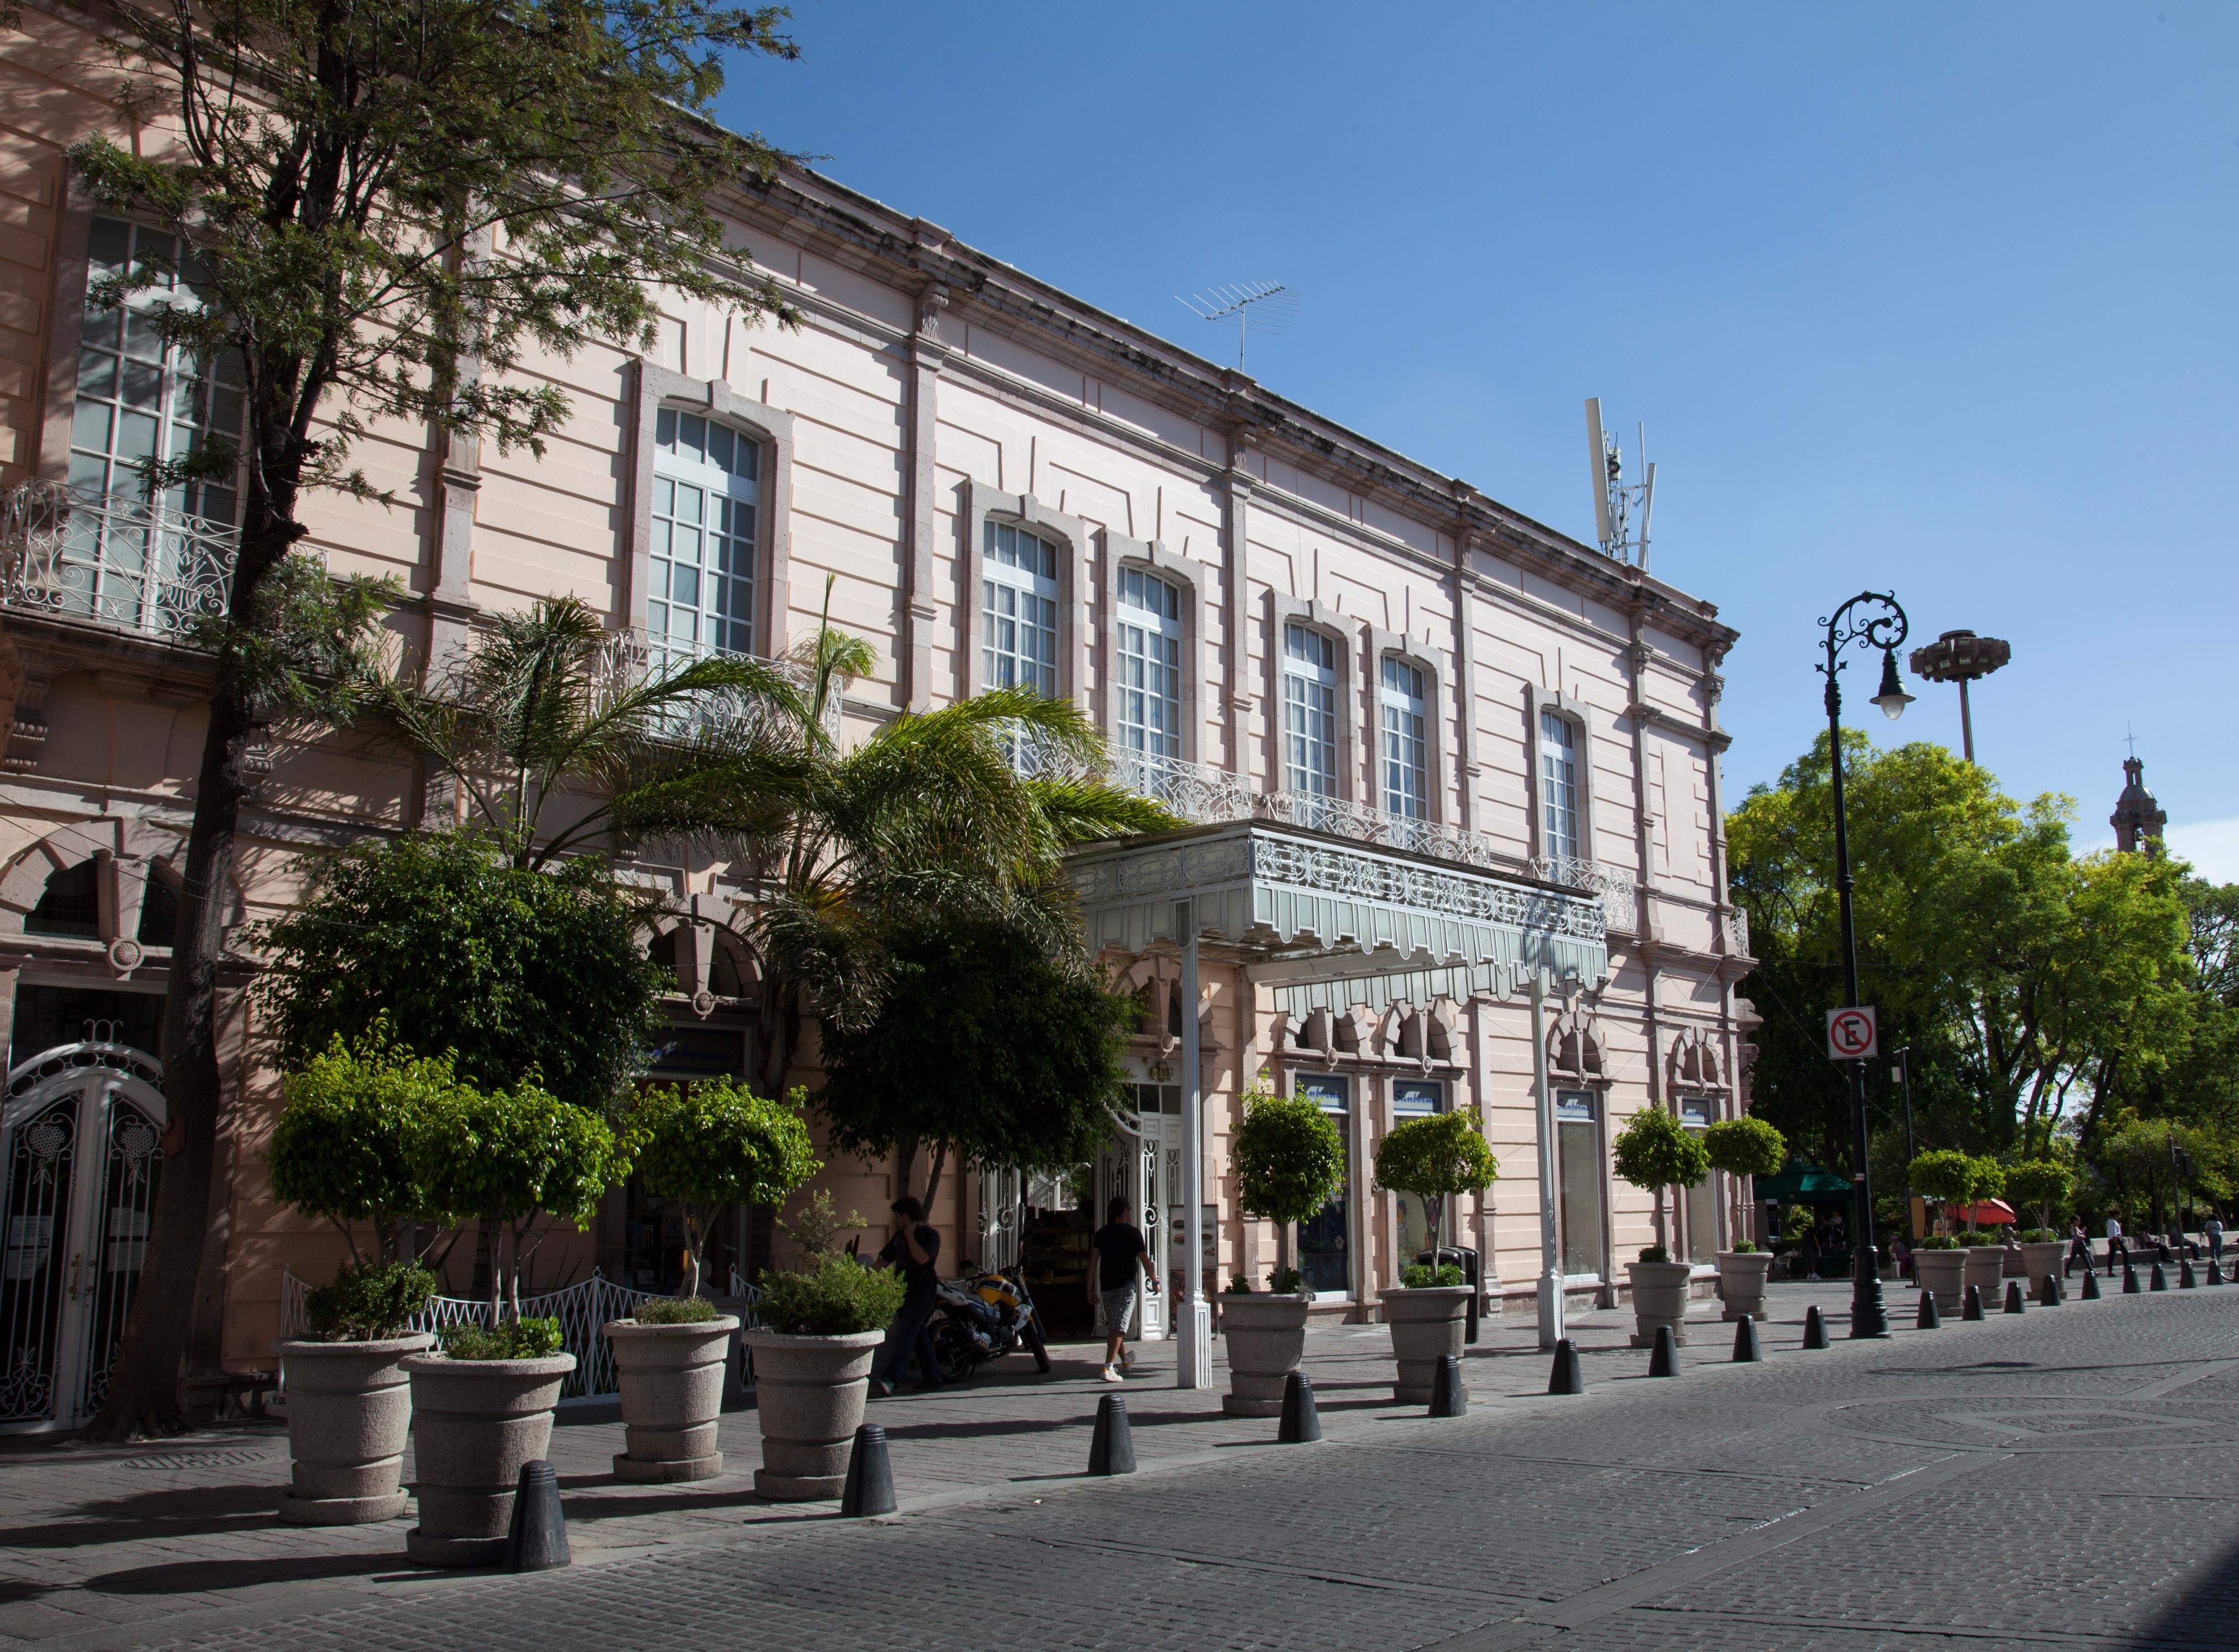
(1806, 1184)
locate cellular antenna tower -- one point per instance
(1274, 303)
(1621, 509)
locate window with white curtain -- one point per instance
(1406, 751)
(1309, 711)
(1558, 785)
(1150, 674)
(707, 490)
(1018, 595)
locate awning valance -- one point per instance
(1310, 912)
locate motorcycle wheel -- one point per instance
(954, 1350)
(1038, 1349)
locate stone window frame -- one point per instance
(983, 505)
(657, 388)
(1536, 700)
(1346, 633)
(1194, 582)
(1388, 645)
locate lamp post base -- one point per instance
(1869, 1316)
(1552, 1329)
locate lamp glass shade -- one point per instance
(1892, 699)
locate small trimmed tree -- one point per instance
(1655, 1150)
(1986, 1179)
(1434, 1159)
(1741, 1147)
(510, 1156)
(1945, 1175)
(2043, 1183)
(1289, 1160)
(713, 1145)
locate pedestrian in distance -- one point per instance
(2079, 1248)
(1122, 1255)
(915, 1250)
(2115, 1245)
(2212, 1230)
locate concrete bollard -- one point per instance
(1567, 1377)
(1973, 1306)
(1814, 1329)
(2091, 1287)
(1448, 1396)
(2186, 1279)
(2215, 1271)
(1746, 1350)
(2130, 1286)
(2048, 1291)
(1663, 1359)
(869, 1488)
(537, 1539)
(2157, 1280)
(1928, 1318)
(1302, 1423)
(2014, 1302)
(1111, 1448)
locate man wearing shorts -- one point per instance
(1120, 1252)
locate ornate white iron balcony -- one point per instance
(112, 559)
(1619, 894)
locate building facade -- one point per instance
(1384, 699)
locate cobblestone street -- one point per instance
(2061, 1479)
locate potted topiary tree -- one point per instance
(482, 1407)
(341, 1153)
(1433, 1158)
(1745, 1147)
(1654, 1151)
(2045, 1184)
(822, 1325)
(1986, 1256)
(1939, 1264)
(1290, 1162)
(707, 1146)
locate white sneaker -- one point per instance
(1126, 1362)
(1112, 1375)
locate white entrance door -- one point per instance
(81, 1134)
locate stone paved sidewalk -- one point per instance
(96, 1540)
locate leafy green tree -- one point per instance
(1288, 1160)
(1744, 1147)
(392, 206)
(1944, 1175)
(1435, 1158)
(1655, 1150)
(343, 1149)
(508, 1156)
(512, 971)
(987, 1050)
(2043, 1182)
(711, 1146)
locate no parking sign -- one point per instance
(1852, 1034)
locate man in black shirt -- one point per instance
(1120, 1250)
(914, 1249)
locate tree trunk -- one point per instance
(932, 1174)
(145, 1384)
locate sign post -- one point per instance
(1853, 1034)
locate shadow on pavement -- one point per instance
(169, 1513)
(204, 1576)
(2204, 1613)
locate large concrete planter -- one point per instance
(2041, 1257)
(1986, 1265)
(1659, 1298)
(672, 1378)
(1741, 1275)
(1943, 1274)
(474, 1422)
(808, 1391)
(350, 1409)
(1266, 1339)
(1427, 1325)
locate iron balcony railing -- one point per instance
(1206, 796)
(112, 559)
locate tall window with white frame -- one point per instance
(1558, 786)
(145, 560)
(1018, 617)
(1149, 670)
(1407, 749)
(706, 494)
(1310, 680)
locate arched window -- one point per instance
(1407, 749)
(706, 491)
(1558, 786)
(71, 904)
(1150, 641)
(1019, 596)
(1310, 678)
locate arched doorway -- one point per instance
(80, 1135)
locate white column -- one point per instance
(1193, 1314)
(1550, 1263)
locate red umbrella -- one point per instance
(1989, 1213)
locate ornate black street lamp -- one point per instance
(1881, 626)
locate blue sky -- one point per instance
(1937, 298)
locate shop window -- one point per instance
(1702, 1200)
(1324, 1241)
(1416, 1099)
(1579, 1157)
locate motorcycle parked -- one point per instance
(982, 1316)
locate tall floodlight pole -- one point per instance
(1962, 657)
(1881, 626)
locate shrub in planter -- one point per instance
(2047, 1184)
(1421, 1276)
(1744, 1147)
(1653, 1151)
(481, 1408)
(1435, 1158)
(1290, 1162)
(822, 1326)
(706, 1147)
(343, 1150)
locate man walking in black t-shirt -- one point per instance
(1120, 1250)
(914, 1249)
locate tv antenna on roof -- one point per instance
(1277, 305)
(1621, 509)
